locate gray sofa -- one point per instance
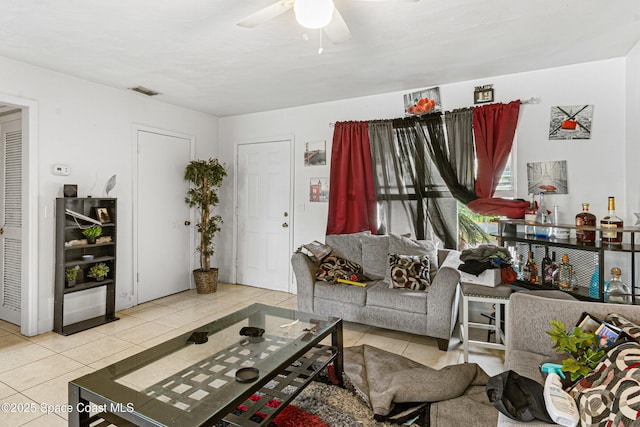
(528, 345)
(431, 312)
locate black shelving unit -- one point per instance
(581, 255)
(69, 229)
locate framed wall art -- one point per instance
(422, 102)
(570, 122)
(315, 153)
(550, 177)
(483, 94)
(319, 190)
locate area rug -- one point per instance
(325, 405)
(334, 406)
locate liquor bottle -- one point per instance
(586, 219)
(542, 217)
(530, 216)
(555, 270)
(545, 268)
(558, 232)
(531, 270)
(616, 291)
(611, 222)
(566, 274)
(594, 284)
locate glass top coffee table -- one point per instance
(182, 382)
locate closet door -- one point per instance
(11, 218)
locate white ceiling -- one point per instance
(194, 54)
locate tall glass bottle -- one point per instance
(558, 232)
(594, 284)
(586, 219)
(520, 266)
(555, 270)
(545, 268)
(542, 217)
(611, 222)
(530, 216)
(616, 291)
(531, 270)
(566, 274)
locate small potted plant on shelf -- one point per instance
(92, 233)
(98, 271)
(71, 274)
(206, 177)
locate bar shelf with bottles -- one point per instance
(583, 256)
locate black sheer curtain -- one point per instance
(404, 176)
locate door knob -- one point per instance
(285, 225)
(187, 222)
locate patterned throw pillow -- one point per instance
(409, 271)
(627, 326)
(334, 267)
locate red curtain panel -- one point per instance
(352, 196)
(494, 127)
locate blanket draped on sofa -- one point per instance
(383, 378)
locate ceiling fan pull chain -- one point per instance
(320, 49)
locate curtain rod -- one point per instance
(531, 100)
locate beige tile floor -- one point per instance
(34, 371)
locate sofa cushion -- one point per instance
(375, 255)
(340, 292)
(380, 295)
(409, 271)
(526, 364)
(334, 267)
(404, 246)
(347, 246)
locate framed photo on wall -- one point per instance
(483, 94)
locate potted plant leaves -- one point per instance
(583, 347)
(71, 274)
(206, 178)
(92, 233)
(98, 271)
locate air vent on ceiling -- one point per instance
(143, 90)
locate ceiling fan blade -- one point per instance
(337, 30)
(263, 15)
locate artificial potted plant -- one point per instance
(92, 233)
(99, 271)
(206, 178)
(71, 274)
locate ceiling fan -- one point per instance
(312, 14)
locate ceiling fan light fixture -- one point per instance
(313, 14)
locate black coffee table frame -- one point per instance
(98, 396)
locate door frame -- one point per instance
(29, 317)
(264, 140)
(134, 138)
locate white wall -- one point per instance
(90, 128)
(632, 155)
(591, 176)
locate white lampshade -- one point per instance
(313, 14)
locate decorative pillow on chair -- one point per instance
(409, 271)
(334, 267)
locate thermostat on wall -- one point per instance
(63, 170)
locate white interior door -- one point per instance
(11, 218)
(263, 196)
(164, 258)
